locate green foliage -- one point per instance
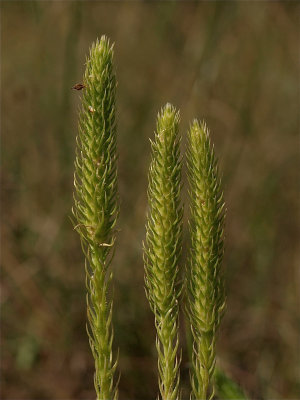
(96, 210)
(204, 279)
(96, 205)
(163, 246)
(40, 253)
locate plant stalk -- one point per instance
(96, 206)
(163, 247)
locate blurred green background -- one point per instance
(234, 64)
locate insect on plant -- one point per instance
(78, 86)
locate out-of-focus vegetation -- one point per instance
(234, 64)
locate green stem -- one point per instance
(96, 205)
(205, 283)
(163, 247)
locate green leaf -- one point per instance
(226, 388)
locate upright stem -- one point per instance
(163, 247)
(206, 298)
(96, 206)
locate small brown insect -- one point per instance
(78, 86)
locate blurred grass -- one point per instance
(234, 64)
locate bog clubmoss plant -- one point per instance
(96, 206)
(205, 285)
(163, 247)
(96, 209)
